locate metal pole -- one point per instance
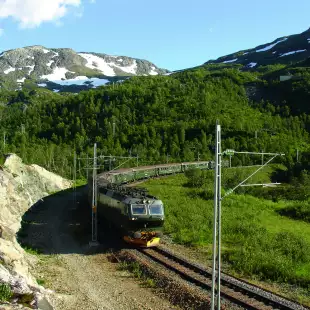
(219, 221)
(74, 180)
(94, 198)
(297, 153)
(87, 167)
(74, 166)
(4, 140)
(215, 217)
(262, 157)
(229, 161)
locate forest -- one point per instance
(159, 119)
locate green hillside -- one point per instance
(153, 117)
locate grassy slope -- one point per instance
(257, 241)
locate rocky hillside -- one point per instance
(21, 186)
(285, 50)
(59, 68)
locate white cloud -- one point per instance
(1, 32)
(31, 13)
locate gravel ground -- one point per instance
(83, 277)
(179, 291)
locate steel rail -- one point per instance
(237, 291)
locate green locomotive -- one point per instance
(138, 215)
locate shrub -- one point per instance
(275, 194)
(195, 177)
(31, 250)
(292, 246)
(299, 211)
(5, 292)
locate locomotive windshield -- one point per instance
(138, 209)
(156, 209)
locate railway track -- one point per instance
(237, 291)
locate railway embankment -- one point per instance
(21, 187)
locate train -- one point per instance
(138, 215)
(126, 175)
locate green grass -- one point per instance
(31, 250)
(257, 240)
(40, 281)
(133, 267)
(79, 182)
(5, 292)
(137, 272)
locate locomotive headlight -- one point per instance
(144, 201)
(149, 201)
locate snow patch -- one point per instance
(7, 71)
(22, 80)
(107, 68)
(252, 64)
(98, 82)
(31, 69)
(129, 69)
(95, 62)
(153, 72)
(42, 84)
(81, 81)
(228, 61)
(274, 52)
(293, 52)
(55, 54)
(45, 51)
(58, 74)
(245, 53)
(268, 47)
(56, 90)
(50, 63)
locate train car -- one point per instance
(123, 176)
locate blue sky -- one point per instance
(172, 34)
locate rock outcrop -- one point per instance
(20, 187)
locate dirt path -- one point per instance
(84, 277)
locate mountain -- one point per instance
(63, 69)
(284, 50)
